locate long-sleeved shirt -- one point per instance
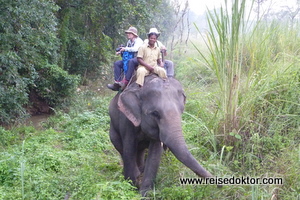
(134, 45)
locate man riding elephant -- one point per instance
(168, 64)
(150, 61)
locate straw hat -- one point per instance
(153, 30)
(132, 30)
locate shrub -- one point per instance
(28, 32)
(55, 85)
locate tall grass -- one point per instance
(252, 99)
(225, 42)
(22, 170)
(249, 63)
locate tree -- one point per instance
(258, 9)
(181, 26)
(28, 56)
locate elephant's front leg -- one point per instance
(151, 166)
(129, 156)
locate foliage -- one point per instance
(84, 45)
(117, 190)
(249, 67)
(28, 34)
(69, 160)
(224, 43)
(244, 86)
(55, 85)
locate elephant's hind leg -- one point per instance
(140, 160)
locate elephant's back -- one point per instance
(154, 80)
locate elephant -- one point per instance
(149, 117)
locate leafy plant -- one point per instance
(29, 31)
(55, 85)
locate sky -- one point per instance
(199, 6)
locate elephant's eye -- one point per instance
(155, 114)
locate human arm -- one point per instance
(162, 47)
(137, 43)
(160, 62)
(143, 63)
(149, 58)
(163, 50)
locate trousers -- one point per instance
(169, 67)
(118, 69)
(142, 72)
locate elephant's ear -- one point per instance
(184, 98)
(129, 105)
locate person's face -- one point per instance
(152, 39)
(130, 36)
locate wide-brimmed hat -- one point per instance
(154, 30)
(132, 30)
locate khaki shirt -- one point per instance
(149, 55)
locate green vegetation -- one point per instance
(72, 157)
(242, 118)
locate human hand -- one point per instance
(120, 51)
(150, 68)
(163, 49)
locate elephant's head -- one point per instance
(157, 109)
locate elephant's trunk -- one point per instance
(172, 137)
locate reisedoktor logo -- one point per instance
(244, 180)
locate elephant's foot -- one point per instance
(146, 187)
(144, 192)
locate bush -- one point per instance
(55, 85)
(28, 32)
(70, 160)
